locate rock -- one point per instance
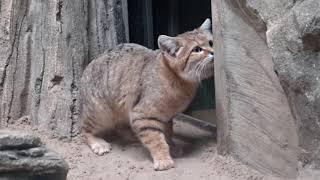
(17, 140)
(267, 76)
(293, 38)
(26, 158)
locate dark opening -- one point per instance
(150, 18)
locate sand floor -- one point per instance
(130, 161)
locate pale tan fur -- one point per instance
(134, 87)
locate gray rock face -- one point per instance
(268, 82)
(294, 42)
(23, 157)
(254, 123)
(293, 38)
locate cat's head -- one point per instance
(190, 54)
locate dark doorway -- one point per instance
(150, 18)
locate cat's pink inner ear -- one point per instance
(168, 44)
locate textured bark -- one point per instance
(44, 46)
(13, 59)
(106, 25)
(255, 123)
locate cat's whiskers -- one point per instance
(203, 65)
(206, 62)
(194, 70)
(200, 69)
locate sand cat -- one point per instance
(132, 86)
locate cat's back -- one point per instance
(127, 57)
(117, 72)
(122, 53)
(125, 52)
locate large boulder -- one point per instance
(293, 38)
(267, 74)
(23, 157)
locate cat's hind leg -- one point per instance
(97, 144)
(95, 131)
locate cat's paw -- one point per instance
(163, 164)
(100, 148)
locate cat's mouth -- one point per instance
(210, 58)
(209, 61)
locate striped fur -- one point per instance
(131, 85)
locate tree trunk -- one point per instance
(44, 48)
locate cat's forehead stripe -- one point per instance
(197, 36)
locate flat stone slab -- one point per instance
(10, 139)
(24, 156)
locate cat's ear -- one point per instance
(168, 44)
(206, 25)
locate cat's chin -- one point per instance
(207, 73)
(196, 79)
(191, 78)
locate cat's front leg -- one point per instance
(151, 132)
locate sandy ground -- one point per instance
(130, 161)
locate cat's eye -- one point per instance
(197, 49)
(210, 43)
